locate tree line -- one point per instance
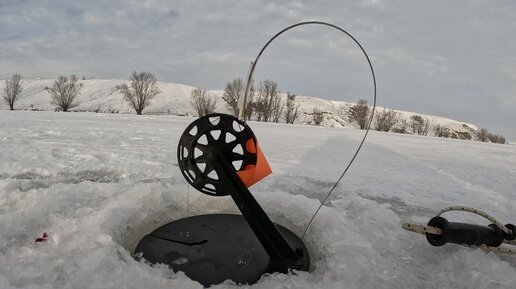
(65, 90)
(389, 120)
(264, 103)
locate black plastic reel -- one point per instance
(215, 132)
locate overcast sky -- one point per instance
(455, 59)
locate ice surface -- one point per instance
(97, 183)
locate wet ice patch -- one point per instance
(30, 176)
(399, 207)
(95, 176)
(27, 181)
(27, 185)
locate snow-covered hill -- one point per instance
(101, 95)
(97, 183)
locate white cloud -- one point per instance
(509, 67)
(430, 56)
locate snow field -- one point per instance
(97, 183)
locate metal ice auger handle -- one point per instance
(492, 235)
(439, 231)
(465, 234)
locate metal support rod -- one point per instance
(242, 102)
(279, 251)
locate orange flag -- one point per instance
(252, 174)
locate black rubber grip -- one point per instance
(467, 234)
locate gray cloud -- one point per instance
(456, 59)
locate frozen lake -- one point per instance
(97, 183)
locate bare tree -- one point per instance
(12, 90)
(268, 102)
(277, 108)
(233, 91)
(492, 137)
(426, 127)
(401, 126)
(385, 120)
(359, 113)
(291, 108)
(461, 135)
(496, 138)
(416, 122)
(250, 104)
(442, 131)
(140, 91)
(420, 125)
(202, 102)
(64, 92)
(482, 135)
(317, 115)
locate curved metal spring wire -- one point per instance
(248, 86)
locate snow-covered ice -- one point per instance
(97, 183)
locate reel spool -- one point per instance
(206, 136)
(219, 156)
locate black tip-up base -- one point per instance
(213, 248)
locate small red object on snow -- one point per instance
(43, 239)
